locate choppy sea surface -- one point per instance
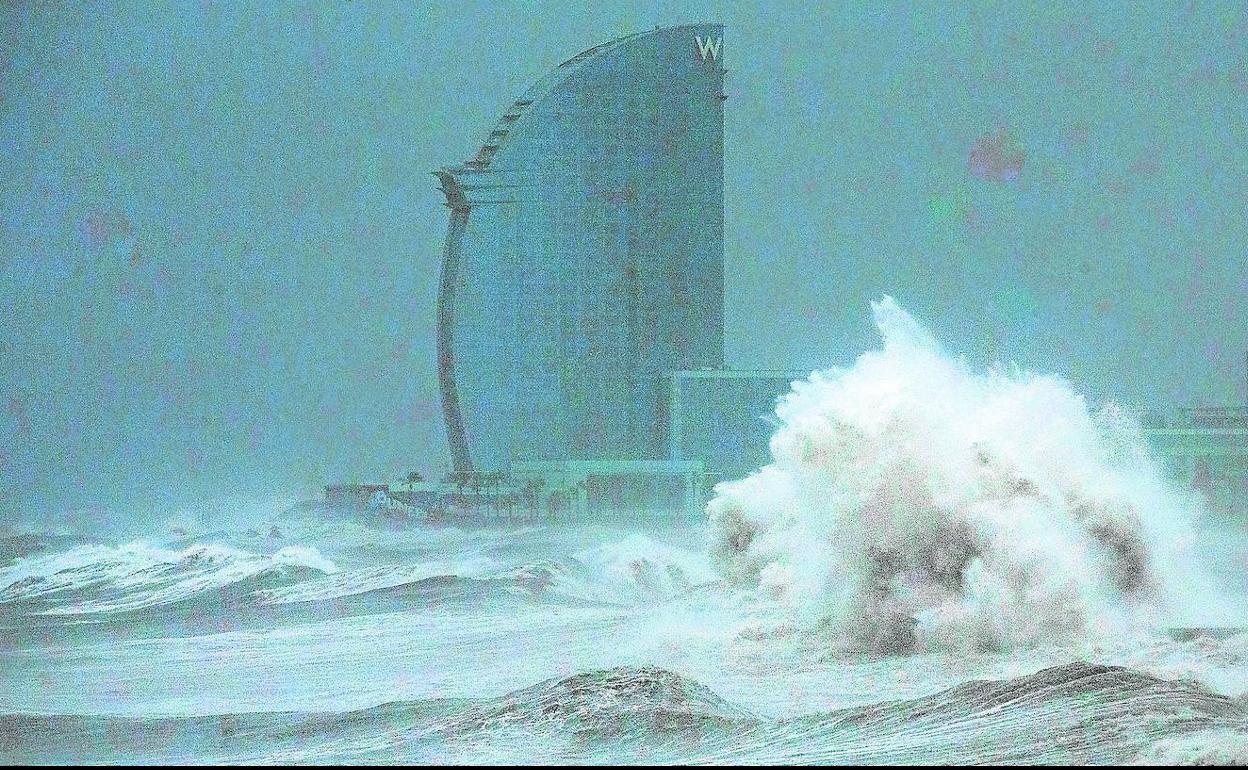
(938, 565)
(320, 641)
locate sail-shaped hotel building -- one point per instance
(584, 258)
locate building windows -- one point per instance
(573, 270)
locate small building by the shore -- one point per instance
(355, 497)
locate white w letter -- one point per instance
(708, 47)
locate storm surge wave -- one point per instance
(914, 503)
(649, 714)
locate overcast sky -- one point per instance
(219, 238)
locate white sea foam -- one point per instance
(340, 585)
(638, 564)
(99, 578)
(1220, 747)
(915, 503)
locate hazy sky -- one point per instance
(220, 238)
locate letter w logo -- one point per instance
(708, 47)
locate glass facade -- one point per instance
(584, 259)
(723, 418)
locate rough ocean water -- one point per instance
(940, 565)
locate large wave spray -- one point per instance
(913, 503)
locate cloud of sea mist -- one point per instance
(915, 504)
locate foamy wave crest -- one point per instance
(375, 580)
(96, 578)
(630, 571)
(635, 569)
(914, 503)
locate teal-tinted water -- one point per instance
(336, 642)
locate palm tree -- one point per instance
(555, 503)
(483, 485)
(530, 494)
(474, 481)
(459, 479)
(494, 480)
(581, 489)
(412, 479)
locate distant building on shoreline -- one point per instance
(1206, 448)
(353, 496)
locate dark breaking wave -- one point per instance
(1076, 713)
